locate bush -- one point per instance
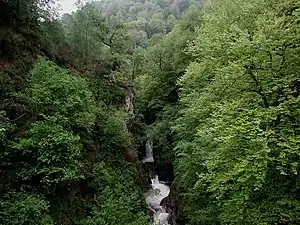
(119, 200)
(56, 92)
(56, 151)
(23, 209)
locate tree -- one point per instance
(26, 13)
(164, 62)
(239, 100)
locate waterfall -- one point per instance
(159, 190)
(149, 153)
(157, 193)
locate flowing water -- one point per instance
(149, 153)
(157, 193)
(159, 190)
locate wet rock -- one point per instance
(172, 205)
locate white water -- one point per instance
(156, 194)
(149, 153)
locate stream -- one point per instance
(159, 191)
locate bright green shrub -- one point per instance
(65, 105)
(55, 92)
(56, 150)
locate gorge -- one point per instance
(138, 112)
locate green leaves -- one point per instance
(115, 136)
(24, 209)
(65, 147)
(56, 93)
(56, 149)
(65, 107)
(239, 126)
(120, 201)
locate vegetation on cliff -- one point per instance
(216, 88)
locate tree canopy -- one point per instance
(214, 85)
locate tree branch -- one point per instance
(259, 90)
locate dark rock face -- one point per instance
(172, 205)
(166, 173)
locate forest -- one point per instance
(213, 86)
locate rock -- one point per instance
(172, 205)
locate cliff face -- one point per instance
(129, 100)
(173, 205)
(131, 153)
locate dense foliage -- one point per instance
(237, 148)
(63, 143)
(236, 134)
(60, 170)
(163, 63)
(216, 88)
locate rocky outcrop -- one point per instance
(129, 100)
(131, 154)
(172, 204)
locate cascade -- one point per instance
(157, 193)
(149, 153)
